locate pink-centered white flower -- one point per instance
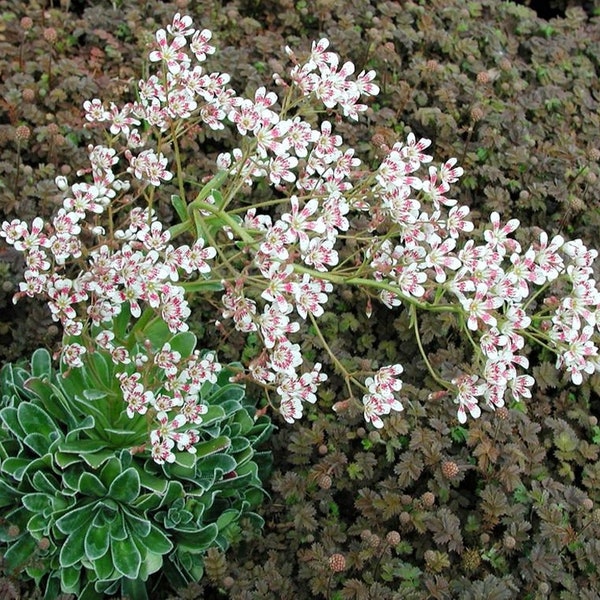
(468, 390)
(171, 54)
(497, 237)
(320, 254)
(150, 167)
(479, 307)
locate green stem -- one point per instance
(432, 372)
(340, 367)
(178, 162)
(227, 219)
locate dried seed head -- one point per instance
(587, 503)
(433, 66)
(22, 133)
(576, 204)
(13, 531)
(502, 413)
(324, 482)
(28, 95)
(524, 195)
(378, 140)
(594, 154)
(429, 556)
(509, 542)
(50, 35)
(471, 559)
(53, 129)
(337, 563)
(476, 114)
(365, 534)
(392, 538)
(323, 449)
(374, 436)
(43, 543)
(428, 499)
(228, 582)
(26, 23)
(483, 77)
(404, 518)
(450, 469)
(374, 541)
(505, 64)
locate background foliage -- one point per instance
(504, 508)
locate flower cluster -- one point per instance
(143, 270)
(278, 267)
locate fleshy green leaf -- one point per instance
(198, 541)
(73, 551)
(180, 207)
(126, 487)
(38, 523)
(203, 286)
(35, 420)
(41, 363)
(90, 485)
(81, 446)
(37, 503)
(11, 422)
(136, 523)
(97, 540)
(204, 449)
(39, 442)
(96, 459)
(76, 519)
(126, 557)
(44, 483)
(111, 470)
(64, 460)
(83, 425)
(15, 467)
(19, 554)
(104, 567)
(227, 517)
(118, 530)
(183, 342)
(216, 465)
(156, 541)
(8, 494)
(69, 580)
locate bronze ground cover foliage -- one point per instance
(306, 299)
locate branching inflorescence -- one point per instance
(106, 253)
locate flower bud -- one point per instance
(61, 183)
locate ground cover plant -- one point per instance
(525, 470)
